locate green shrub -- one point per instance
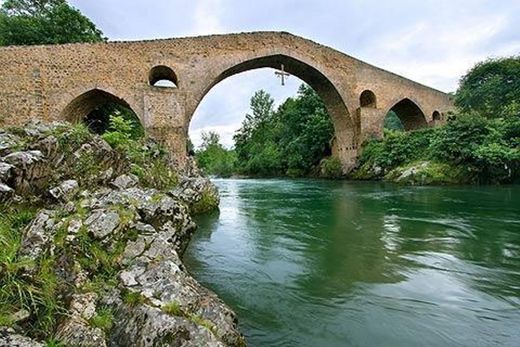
(104, 319)
(331, 167)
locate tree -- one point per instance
(392, 122)
(289, 141)
(32, 22)
(213, 158)
(491, 88)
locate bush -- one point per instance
(331, 168)
(485, 150)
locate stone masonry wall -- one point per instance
(50, 82)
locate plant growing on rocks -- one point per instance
(90, 253)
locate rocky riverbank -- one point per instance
(91, 239)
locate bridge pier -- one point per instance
(164, 120)
(370, 120)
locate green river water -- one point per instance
(319, 263)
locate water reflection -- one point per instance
(314, 263)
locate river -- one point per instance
(328, 263)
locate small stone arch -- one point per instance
(410, 114)
(368, 99)
(162, 76)
(85, 104)
(436, 116)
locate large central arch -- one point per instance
(344, 129)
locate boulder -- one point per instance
(5, 171)
(8, 338)
(125, 181)
(65, 191)
(39, 235)
(77, 332)
(8, 142)
(6, 192)
(24, 159)
(102, 223)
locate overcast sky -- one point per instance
(430, 41)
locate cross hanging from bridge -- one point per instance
(282, 74)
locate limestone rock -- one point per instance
(6, 192)
(83, 305)
(198, 193)
(148, 326)
(66, 190)
(8, 338)
(8, 142)
(5, 171)
(102, 223)
(125, 181)
(75, 331)
(24, 159)
(38, 235)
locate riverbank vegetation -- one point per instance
(479, 142)
(288, 141)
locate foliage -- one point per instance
(207, 203)
(37, 294)
(491, 88)
(331, 167)
(32, 22)
(104, 319)
(392, 122)
(133, 298)
(173, 308)
(427, 173)
(99, 120)
(149, 161)
(485, 150)
(289, 141)
(213, 158)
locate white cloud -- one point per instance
(206, 17)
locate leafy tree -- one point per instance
(213, 158)
(491, 88)
(32, 22)
(392, 122)
(99, 120)
(289, 141)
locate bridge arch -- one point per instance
(409, 113)
(85, 104)
(368, 99)
(162, 76)
(345, 140)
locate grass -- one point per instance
(133, 298)
(104, 319)
(173, 308)
(39, 293)
(199, 320)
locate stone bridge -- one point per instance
(67, 82)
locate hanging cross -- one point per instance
(282, 74)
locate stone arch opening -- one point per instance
(436, 115)
(410, 114)
(345, 141)
(163, 77)
(95, 107)
(368, 99)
